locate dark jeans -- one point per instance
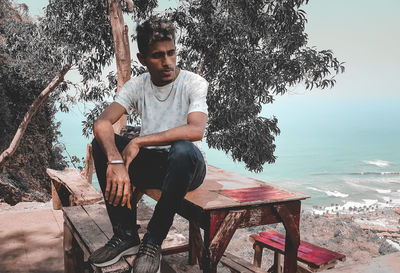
(176, 172)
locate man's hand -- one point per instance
(130, 152)
(118, 184)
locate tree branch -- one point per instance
(31, 112)
(201, 63)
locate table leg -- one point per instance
(258, 249)
(219, 235)
(290, 215)
(196, 246)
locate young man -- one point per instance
(166, 155)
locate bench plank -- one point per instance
(239, 265)
(99, 215)
(90, 234)
(310, 254)
(82, 192)
(174, 243)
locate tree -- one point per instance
(87, 45)
(22, 77)
(250, 51)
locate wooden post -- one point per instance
(196, 246)
(223, 236)
(258, 249)
(290, 215)
(89, 163)
(277, 262)
(73, 255)
(57, 204)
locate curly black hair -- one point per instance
(153, 30)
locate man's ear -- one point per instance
(141, 58)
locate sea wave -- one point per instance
(357, 173)
(383, 191)
(349, 206)
(375, 173)
(329, 193)
(378, 163)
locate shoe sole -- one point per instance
(126, 252)
(159, 268)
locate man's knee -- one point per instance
(182, 149)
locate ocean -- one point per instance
(343, 152)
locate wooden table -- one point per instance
(223, 203)
(227, 201)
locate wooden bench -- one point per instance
(223, 203)
(314, 257)
(69, 188)
(87, 228)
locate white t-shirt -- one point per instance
(165, 107)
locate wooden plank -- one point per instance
(209, 195)
(259, 216)
(173, 243)
(89, 164)
(240, 264)
(57, 205)
(196, 246)
(98, 213)
(90, 234)
(257, 259)
(233, 266)
(224, 234)
(277, 262)
(310, 254)
(290, 224)
(260, 193)
(82, 192)
(73, 256)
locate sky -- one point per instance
(364, 34)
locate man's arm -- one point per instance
(118, 183)
(117, 176)
(192, 131)
(104, 132)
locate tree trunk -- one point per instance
(32, 110)
(122, 52)
(201, 64)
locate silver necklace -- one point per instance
(170, 91)
(154, 93)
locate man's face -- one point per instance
(160, 60)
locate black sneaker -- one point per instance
(119, 245)
(148, 258)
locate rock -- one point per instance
(386, 248)
(337, 233)
(9, 193)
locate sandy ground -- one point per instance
(360, 236)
